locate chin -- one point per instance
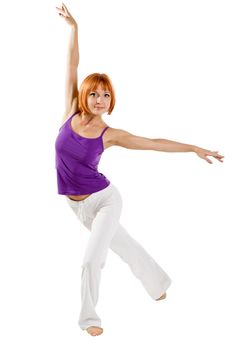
(99, 112)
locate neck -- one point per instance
(90, 118)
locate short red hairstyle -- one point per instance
(90, 83)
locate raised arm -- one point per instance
(71, 79)
(125, 139)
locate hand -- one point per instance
(203, 153)
(63, 12)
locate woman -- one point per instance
(94, 199)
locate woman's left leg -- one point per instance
(153, 278)
(102, 209)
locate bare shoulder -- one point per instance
(123, 138)
(113, 136)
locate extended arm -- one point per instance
(71, 79)
(125, 139)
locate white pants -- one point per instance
(100, 213)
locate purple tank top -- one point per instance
(77, 159)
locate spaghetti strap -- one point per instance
(104, 130)
(73, 115)
(67, 120)
(70, 117)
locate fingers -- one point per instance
(217, 156)
(208, 160)
(205, 154)
(220, 158)
(63, 11)
(63, 5)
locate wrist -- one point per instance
(195, 148)
(74, 25)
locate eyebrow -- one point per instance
(105, 91)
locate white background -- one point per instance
(170, 62)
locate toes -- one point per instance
(94, 331)
(162, 297)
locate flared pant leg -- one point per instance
(100, 213)
(153, 278)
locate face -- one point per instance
(99, 101)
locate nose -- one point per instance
(99, 99)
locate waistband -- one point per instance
(107, 188)
(78, 200)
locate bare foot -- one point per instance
(94, 330)
(162, 297)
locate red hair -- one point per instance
(90, 83)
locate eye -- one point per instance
(92, 94)
(107, 95)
